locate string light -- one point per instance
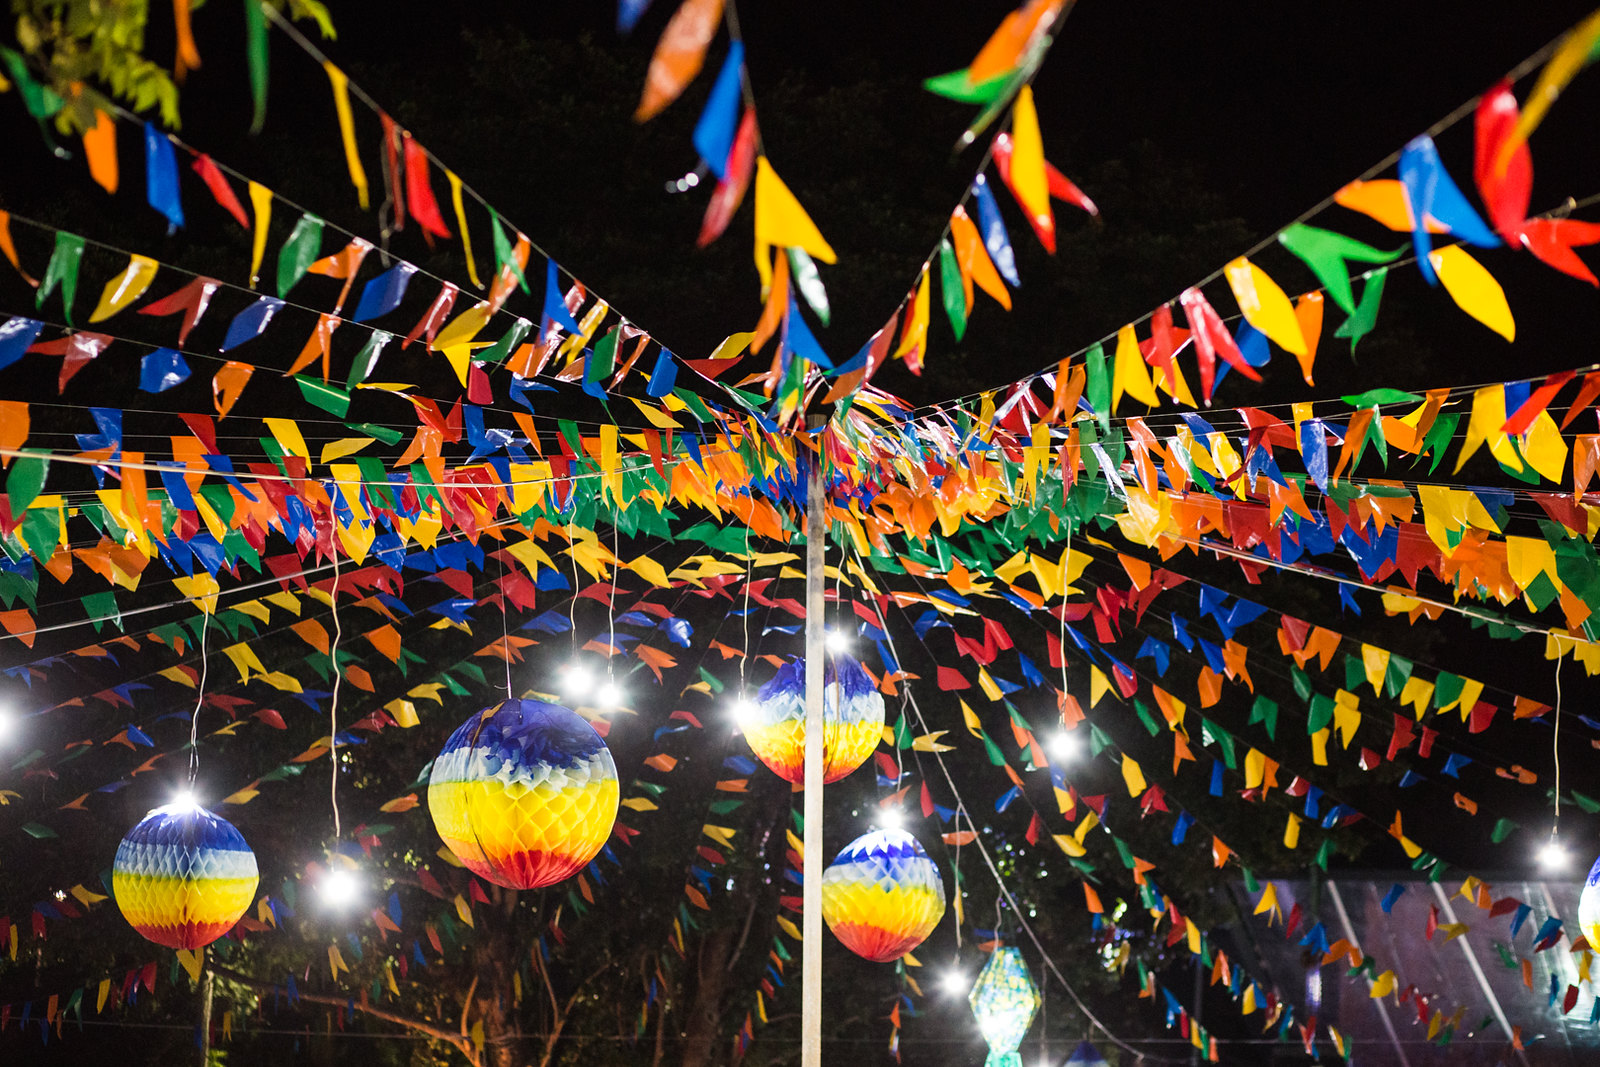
(8, 724)
(576, 681)
(891, 818)
(1064, 745)
(609, 696)
(339, 888)
(954, 981)
(837, 641)
(184, 800)
(1553, 855)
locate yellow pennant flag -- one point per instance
(1474, 289)
(1129, 373)
(1027, 156)
(781, 221)
(1264, 305)
(461, 222)
(126, 287)
(261, 204)
(913, 345)
(1575, 52)
(1132, 775)
(347, 132)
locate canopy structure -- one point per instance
(1150, 639)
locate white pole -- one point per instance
(811, 945)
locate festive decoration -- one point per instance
(1589, 906)
(1085, 1055)
(852, 723)
(524, 793)
(882, 896)
(183, 876)
(1004, 999)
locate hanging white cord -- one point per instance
(611, 613)
(505, 634)
(333, 702)
(199, 699)
(745, 618)
(1556, 750)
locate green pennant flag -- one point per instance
(503, 252)
(63, 270)
(807, 279)
(1365, 317)
(1325, 252)
(1265, 711)
(302, 249)
(951, 291)
(1098, 388)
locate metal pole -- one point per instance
(811, 944)
(1477, 970)
(1383, 1009)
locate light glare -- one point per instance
(891, 818)
(1553, 855)
(837, 641)
(609, 696)
(339, 888)
(1065, 746)
(954, 981)
(576, 681)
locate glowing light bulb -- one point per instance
(954, 981)
(8, 724)
(742, 712)
(184, 800)
(1064, 746)
(837, 641)
(1553, 855)
(576, 681)
(608, 696)
(339, 888)
(891, 818)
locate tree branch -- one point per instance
(456, 1041)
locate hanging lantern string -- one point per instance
(611, 609)
(1555, 747)
(999, 881)
(505, 633)
(200, 696)
(572, 606)
(744, 617)
(333, 702)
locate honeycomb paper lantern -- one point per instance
(1004, 1000)
(183, 876)
(1589, 906)
(852, 719)
(882, 896)
(524, 793)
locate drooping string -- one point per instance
(199, 699)
(333, 701)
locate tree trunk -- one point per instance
(494, 959)
(705, 1013)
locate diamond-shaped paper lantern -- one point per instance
(524, 793)
(1004, 1000)
(183, 876)
(852, 719)
(882, 896)
(1589, 907)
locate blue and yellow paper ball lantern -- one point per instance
(852, 719)
(1004, 999)
(524, 793)
(183, 876)
(1589, 906)
(882, 896)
